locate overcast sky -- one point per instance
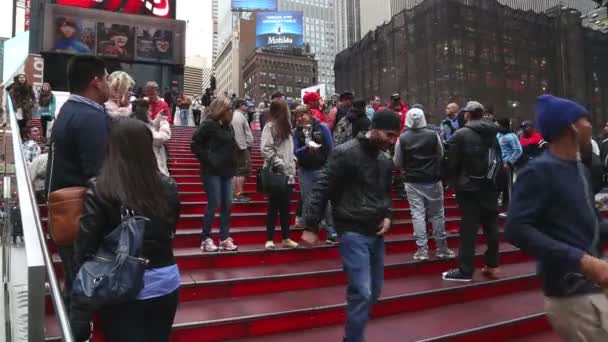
(199, 38)
(6, 16)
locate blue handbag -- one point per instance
(116, 271)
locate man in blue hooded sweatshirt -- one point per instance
(552, 217)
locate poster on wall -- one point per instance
(154, 44)
(74, 35)
(279, 30)
(156, 8)
(254, 5)
(114, 40)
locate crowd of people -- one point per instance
(347, 158)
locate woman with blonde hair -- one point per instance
(120, 85)
(214, 145)
(277, 150)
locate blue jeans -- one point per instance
(219, 193)
(363, 261)
(308, 178)
(183, 117)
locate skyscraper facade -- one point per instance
(215, 19)
(320, 32)
(348, 22)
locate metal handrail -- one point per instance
(31, 218)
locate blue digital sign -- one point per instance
(279, 30)
(254, 5)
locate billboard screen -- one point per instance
(254, 5)
(156, 8)
(279, 30)
(110, 35)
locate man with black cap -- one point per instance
(399, 107)
(345, 103)
(553, 218)
(357, 181)
(244, 140)
(469, 165)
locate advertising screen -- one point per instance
(279, 30)
(71, 30)
(156, 8)
(254, 5)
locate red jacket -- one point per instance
(318, 114)
(534, 139)
(402, 113)
(157, 107)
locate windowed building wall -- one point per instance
(460, 50)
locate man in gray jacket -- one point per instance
(419, 152)
(244, 141)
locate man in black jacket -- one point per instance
(79, 136)
(468, 166)
(357, 181)
(419, 152)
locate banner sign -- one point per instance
(77, 31)
(279, 30)
(155, 8)
(254, 5)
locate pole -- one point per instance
(14, 18)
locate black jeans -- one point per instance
(478, 208)
(44, 121)
(278, 203)
(506, 182)
(196, 113)
(67, 258)
(147, 320)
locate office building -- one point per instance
(215, 19)
(267, 71)
(231, 58)
(320, 31)
(348, 23)
(480, 50)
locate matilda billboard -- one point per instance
(279, 30)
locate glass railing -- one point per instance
(28, 274)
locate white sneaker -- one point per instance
(289, 243)
(502, 215)
(270, 245)
(208, 246)
(228, 245)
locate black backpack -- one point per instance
(494, 166)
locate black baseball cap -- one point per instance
(395, 96)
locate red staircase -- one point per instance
(299, 295)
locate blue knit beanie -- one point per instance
(554, 114)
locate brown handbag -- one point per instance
(64, 209)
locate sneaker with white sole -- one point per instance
(270, 246)
(456, 275)
(228, 245)
(445, 253)
(422, 254)
(289, 243)
(208, 246)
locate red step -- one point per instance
(413, 299)
(486, 318)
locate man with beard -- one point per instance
(357, 181)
